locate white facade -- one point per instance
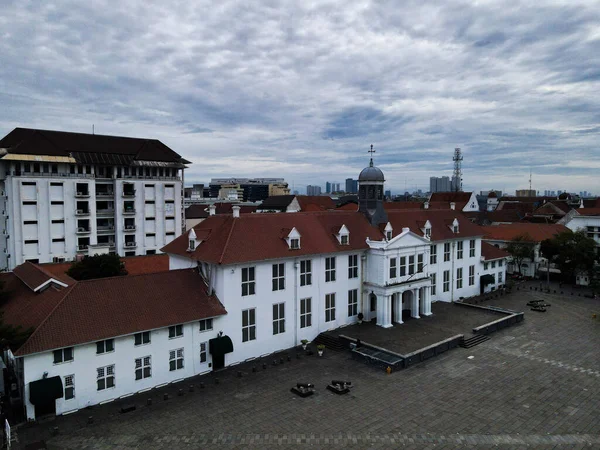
(589, 224)
(497, 269)
(86, 362)
(53, 216)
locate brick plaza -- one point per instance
(534, 385)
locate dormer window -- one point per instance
(427, 230)
(293, 239)
(388, 235)
(344, 239)
(428, 233)
(389, 231)
(192, 246)
(454, 226)
(343, 235)
(191, 240)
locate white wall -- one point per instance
(86, 361)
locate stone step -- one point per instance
(474, 340)
(329, 341)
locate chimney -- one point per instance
(452, 206)
(212, 209)
(236, 211)
(426, 205)
(405, 229)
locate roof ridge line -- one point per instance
(227, 241)
(129, 276)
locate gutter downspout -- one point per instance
(296, 317)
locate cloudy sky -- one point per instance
(300, 89)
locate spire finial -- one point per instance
(371, 152)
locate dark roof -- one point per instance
(315, 202)
(253, 237)
(100, 309)
(441, 221)
(34, 276)
(459, 198)
(591, 202)
(390, 206)
(134, 265)
(88, 148)
(200, 211)
(371, 173)
(539, 200)
(536, 232)
(489, 252)
(277, 202)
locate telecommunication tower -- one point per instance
(457, 177)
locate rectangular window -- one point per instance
(411, 264)
(278, 318)
(105, 346)
(175, 331)
(58, 240)
(30, 222)
(499, 263)
(294, 244)
(420, 263)
(248, 281)
(402, 266)
(306, 272)
(352, 302)
(175, 359)
(433, 254)
(471, 275)
(105, 378)
(69, 387)
(63, 355)
(459, 250)
(206, 324)
(329, 307)
(143, 368)
(446, 280)
(248, 325)
(499, 277)
(305, 313)
(32, 241)
(352, 266)
(472, 248)
(485, 266)
(278, 277)
(433, 284)
(330, 269)
(203, 352)
(344, 239)
(493, 264)
(393, 268)
(141, 338)
(447, 251)
(459, 274)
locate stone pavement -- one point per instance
(534, 385)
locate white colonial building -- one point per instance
(64, 194)
(240, 286)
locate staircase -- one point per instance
(330, 341)
(473, 340)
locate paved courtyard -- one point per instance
(534, 385)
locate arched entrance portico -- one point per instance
(395, 307)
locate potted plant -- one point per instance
(360, 317)
(320, 349)
(304, 343)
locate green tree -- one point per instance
(573, 253)
(97, 266)
(521, 248)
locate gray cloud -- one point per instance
(300, 90)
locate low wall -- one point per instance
(510, 318)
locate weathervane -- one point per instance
(371, 152)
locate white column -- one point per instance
(380, 310)
(427, 301)
(414, 310)
(398, 308)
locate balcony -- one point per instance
(129, 211)
(129, 193)
(129, 228)
(83, 230)
(130, 244)
(101, 194)
(82, 247)
(82, 195)
(105, 212)
(106, 229)
(82, 212)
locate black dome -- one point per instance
(371, 173)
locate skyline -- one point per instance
(265, 91)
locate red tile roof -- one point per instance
(201, 211)
(134, 265)
(348, 207)
(35, 276)
(390, 206)
(443, 199)
(315, 202)
(254, 237)
(440, 220)
(589, 211)
(100, 309)
(536, 232)
(489, 252)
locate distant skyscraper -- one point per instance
(388, 194)
(337, 187)
(328, 187)
(313, 190)
(440, 184)
(351, 186)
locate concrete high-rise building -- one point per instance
(328, 187)
(525, 193)
(66, 194)
(440, 184)
(351, 186)
(255, 189)
(313, 190)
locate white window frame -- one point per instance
(459, 250)
(485, 266)
(499, 277)
(69, 386)
(432, 254)
(352, 266)
(176, 331)
(143, 367)
(471, 275)
(330, 307)
(106, 374)
(446, 285)
(459, 279)
(388, 235)
(420, 265)
(306, 312)
(176, 356)
(352, 302)
(330, 269)
(411, 264)
(250, 327)
(142, 337)
(105, 346)
(203, 352)
(393, 267)
(403, 266)
(446, 251)
(63, 358)
(278, 318)
(295, 243)
(472, 248)
(249, 284)
(205, 325)
(499, 263)
(493, 264)
(433, 283)
(344, 239)
(278, 281)
(306, 272)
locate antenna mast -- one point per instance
(457, 177)
(529, 181)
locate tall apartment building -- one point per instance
(313, 190)
(351, 186)
(66, 194)
(255, 189)
(440, 184)
(526, 193)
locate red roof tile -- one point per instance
(389, 206)
(589, 211)
(255, 237)
(459, 198)
(489, 252)
(537, 232)
(100, 309)
(134, 265)
(200, 211)
(35, 276)
(440, 223)
(321, 202)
